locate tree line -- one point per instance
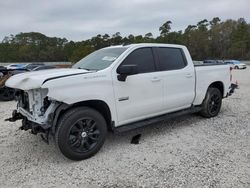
(215, 39)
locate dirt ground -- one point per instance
(186, 152)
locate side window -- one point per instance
(143, 58)
(170, 58)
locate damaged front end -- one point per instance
(35, 110)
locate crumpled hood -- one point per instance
(35, 79)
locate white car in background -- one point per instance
(236, 64)
(15, 66)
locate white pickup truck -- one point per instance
(116, 89)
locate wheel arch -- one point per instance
(99, 105)
(219, 85)
(206, 111)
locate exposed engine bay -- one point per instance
(35, 110)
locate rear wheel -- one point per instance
(236, 67)
(212, 103)
(81, 133)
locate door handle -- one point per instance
(155, 79)
(189, 75)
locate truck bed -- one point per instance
(208, 64)
(210, 73)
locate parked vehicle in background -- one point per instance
(44, 67)
(6, 93)
(235, 64)
(118, 88)
(15, 66)
(2, 67)
(1, 72)
(212, 61)
(32, 66)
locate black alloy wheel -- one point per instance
(83, 135)
(212, 103)
(81, 132)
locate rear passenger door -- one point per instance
(178, 76)
(141, 95)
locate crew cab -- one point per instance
(117, 88)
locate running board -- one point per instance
(146, 122)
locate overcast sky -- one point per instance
(81, 19)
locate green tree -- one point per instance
(229, 39)
(240, 40)
(165, 28)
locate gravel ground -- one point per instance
(187, 152)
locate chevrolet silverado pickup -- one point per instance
(117, 88)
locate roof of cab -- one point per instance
(148, 45)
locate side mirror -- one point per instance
(126, 70)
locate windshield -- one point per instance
(100, 59)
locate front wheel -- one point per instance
(212, 103)
(81, 133)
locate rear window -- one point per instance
(171, 58)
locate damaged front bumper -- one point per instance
(35, 110)
(44, 121)
(29, 122)
(29, 125)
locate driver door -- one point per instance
(140, 96)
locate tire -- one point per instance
(236, 67)
(7, 94)
(212, 103)
(81, 133)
